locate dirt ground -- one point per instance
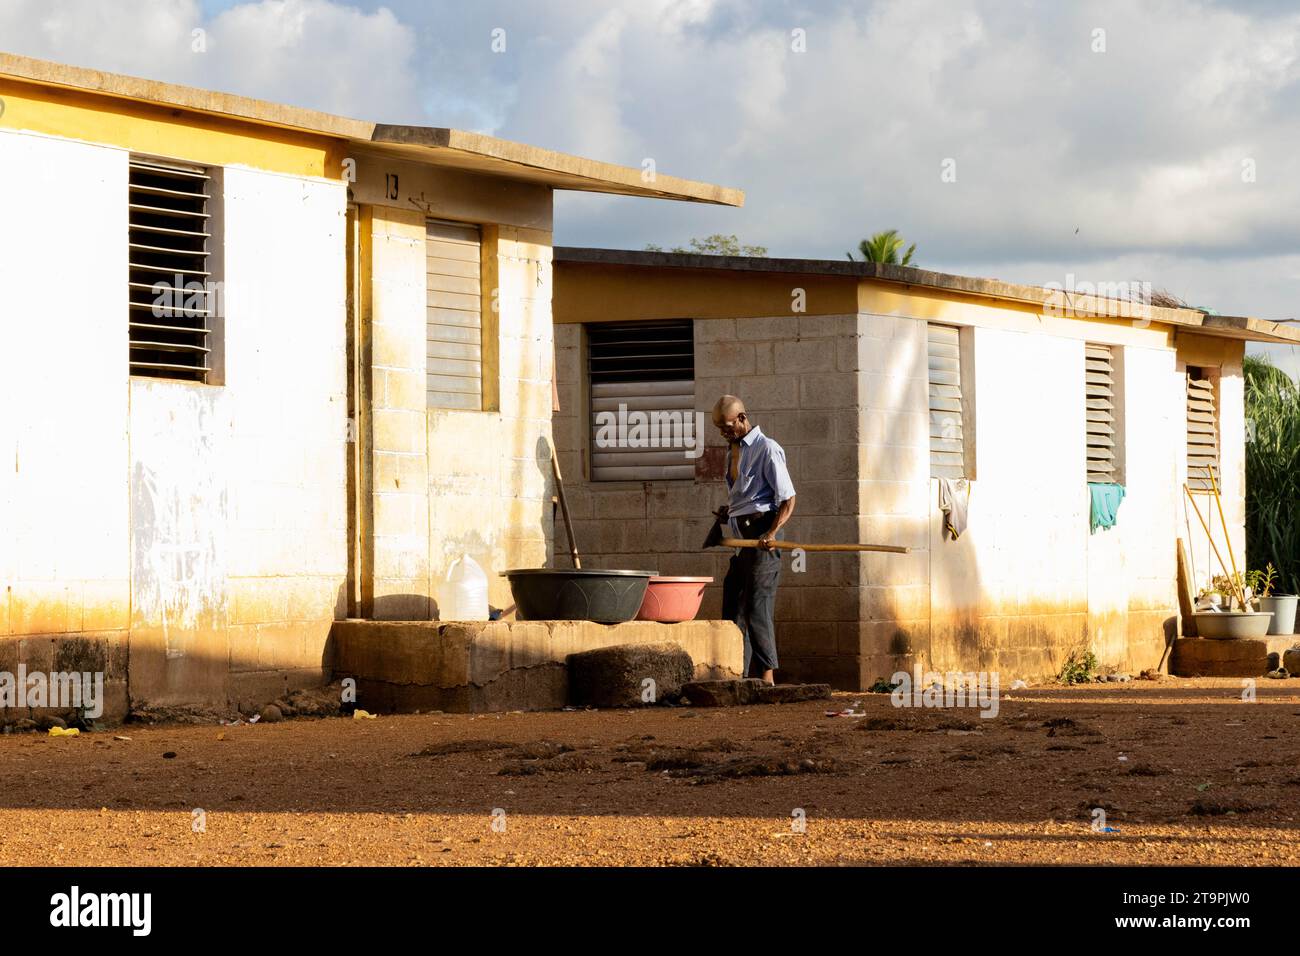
(1186, 772)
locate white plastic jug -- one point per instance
(464, 592)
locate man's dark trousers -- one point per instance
(749, 594)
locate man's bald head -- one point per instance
(726, 407)
(730, 418)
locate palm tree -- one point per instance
(884, 247)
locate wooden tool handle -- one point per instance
(564, 509)
(792, 545)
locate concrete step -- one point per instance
(1203, 657)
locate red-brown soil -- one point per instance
(1207, 779)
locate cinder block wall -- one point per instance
(452, 482)
(798, 376)
(848, 397)
(892, 461)
(490, 480)
(400, 438)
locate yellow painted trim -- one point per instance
(888, 298)
(601, 293)
(590, 293)
(171, 133)
(489, 311)
(1208, 351)
(936, 305)
(364, 406)
(437, 146)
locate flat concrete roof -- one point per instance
(436, 145)
(1087, 306)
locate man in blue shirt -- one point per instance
(760, 502)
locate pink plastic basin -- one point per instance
(669, 600)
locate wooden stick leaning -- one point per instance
(792, 545)
(564, 509)
(1227, 538)
(1210, 537)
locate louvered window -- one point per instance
(1101, 401)
(1202, 432)
(454, 315)
(642, 401)
(947, 448)
(170, 292)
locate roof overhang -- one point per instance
(1081, 306)
(434, 145)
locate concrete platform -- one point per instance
(1202, 657)
(470, 667)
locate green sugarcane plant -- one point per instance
(1272, 471)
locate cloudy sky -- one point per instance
(1106, 140)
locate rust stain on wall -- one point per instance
(712, 465)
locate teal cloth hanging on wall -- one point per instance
(1105, 504)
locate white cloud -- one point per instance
(313, 53)
(321, 54)
(1117, 165)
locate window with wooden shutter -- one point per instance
(454, 316)
(1101, 404)
(1202, 431)
(642, 401)
(947, 447)
(169, 288)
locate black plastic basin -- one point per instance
(559, 594)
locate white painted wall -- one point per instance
(1025, 550)
(285, 359)
(1222, 357)
(245, 544)
(1029, 581)
(1132, 568)
(64, 547)
(181, 470)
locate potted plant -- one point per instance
(1230, 623)
(1283, 606)
(1226, 611)
(1239, 590)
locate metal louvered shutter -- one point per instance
(642, 401)
(454, 317)
(947, 451)
(1202, 433)
(168, 287)
(1099, 374)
